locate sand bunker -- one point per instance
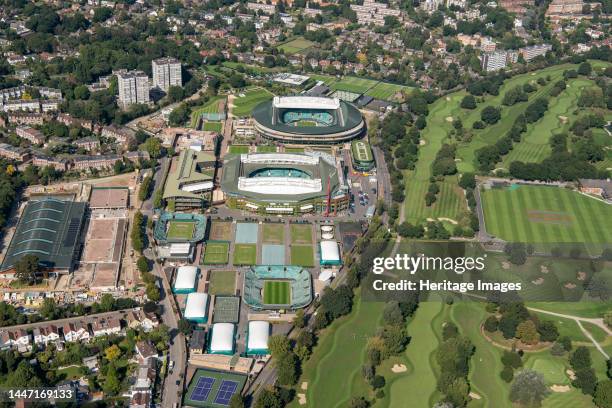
(506, 265)
(399, 368)
(449, 119)
(570, 374)
(570, 285)
(304, 385)
(473, 395)
(560, 388)
(538, 281)
(581, 276)
(301, 399)
(543, 268)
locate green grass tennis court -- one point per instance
(276, 292)
(213, 126)
(353, 84)
(273, 233)
(238, 149)
(296, 45)
(222, 283)
(385, 91)
(302, 255)
(301, 234)
(245, 254)
(211, 106)
(181, 229)
(216, 253)
(546, 214)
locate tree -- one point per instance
(268, 398)
(237, 401)
(468, 180)
(153, 147)
(548, 330)
(603, 394)
(490, 115)
(112, 353)
(175, 93)
(278, 345)
(287, 368)
(529, 388)
(358, 402)
(511, 359)
(585, 69)
(142, 264)
(507, 374)
(468, 102)
(527, 332)
(27, 268)
(580, 358)
(586, 380)
(107, 302)
(185, 327)
(517, 253)
(491, 324)
(111, 384)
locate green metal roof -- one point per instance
(190, 169)
(262, 113)
(48, 228)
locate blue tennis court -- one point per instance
(247, 233)
(226, 390)
(202, 389)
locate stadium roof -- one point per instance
(194, 173)
(236, 181)
(50, 229)
(265, 113)
(222, 338)
(330, 253)
(186, 278)
(259, 332)
(196, 307)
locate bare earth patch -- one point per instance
(560, 388)
(399, 368)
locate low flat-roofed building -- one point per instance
(196, 307)
(257, 338)
(191, 180)
(221, 339)
(197, 342)
(186, 279)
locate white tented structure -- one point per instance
(221, 339)
(196, 307)
(257, 341)
(330, 253)
(186, 277)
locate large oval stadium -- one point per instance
(308, 120)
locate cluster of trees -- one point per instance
(511, 361)
(286, 361)
(391, 339)
(444, 163)
(489, 85)
(516, 322)
(488, 156)
(580, 361)
(145, 188)
(152, 290)
(10, 183)
(406, 153)
(529, 389)
(138, 235)
(468, 223)
(515, 95)
(453, 356)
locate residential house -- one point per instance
(101, 162)
(105, 326)
(88, 143)
(76, 331)
(45, 335)
(41, 160)
(121, 134)
(146, 350)
(33, 135)
(14, 153)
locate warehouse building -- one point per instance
(186, 279)
(221, 339)
(257, 338)
(330, 253)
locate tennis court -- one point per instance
(276, 292)
(273, 233)
(216, 253)
(180, 229)
(301, 234)
(213, 389)
(245, 254)
(247, 233)
(272, 254)
(222, 283)
(302, 255)
(227, 309)
(221, 231)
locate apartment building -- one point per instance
(121, 134)
(41, 160)
(534, 51)
(373, 12)
(266, 8)
(496, 60)
(133, 87)
(95, 162)
(166, 73)
(27, 118)
(33, 135)
(88, 143)
(14, 153)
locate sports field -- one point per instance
(222, 283)
(216, 253)
(221, 231)
(238, 149)
(545, 214)
(245, 254)
(212, 106)
(296, 45)
(327, 79)
(213, 126)
(302, 255)
(273, 233)
(213, 389)
(361, 150)
(354, 84)
(243, 105)
(276, 292)
(301, 234)
(181, 229)
(385, 91)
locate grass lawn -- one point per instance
(266, 149)
(245, 254)
(69, 373)
(221, 231)
(181, 230)
(222, 283)
(338, 357)
(301, 234)
(580, 309)
(273, 233)
(302, 255)
(296, 45)
(327, 79)
(243, 105)
(294, 150)
(212, 106)
(213, 126)
(546, 214)
(553, 368)
(385, 91)
(238, 149)
(276, 292)
(354, 84)
(216, 253)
